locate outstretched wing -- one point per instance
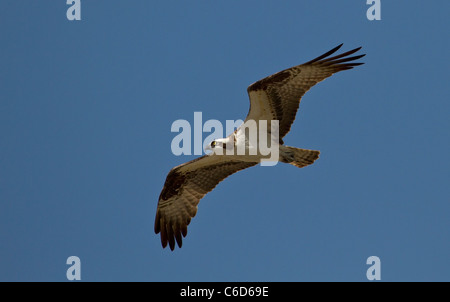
(184, 187)
(277, 97)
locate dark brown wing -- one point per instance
(184, 187)
(278, 96)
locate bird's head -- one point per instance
(218, 146)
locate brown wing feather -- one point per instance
(184, 187)
(281, 92)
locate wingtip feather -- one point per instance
(328, 53)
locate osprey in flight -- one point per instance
(274, 98)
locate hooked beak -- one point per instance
(208, 148)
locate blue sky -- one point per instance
(86, 109)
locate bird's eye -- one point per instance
(213, 144)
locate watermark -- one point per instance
(374, 271)
(249, 138)
(74, 271)
(74, 12)
(374, 11)
(229, 291)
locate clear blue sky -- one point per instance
(85, 114)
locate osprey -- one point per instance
(274, 98)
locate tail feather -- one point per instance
(298, 157)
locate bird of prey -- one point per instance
(276, 97)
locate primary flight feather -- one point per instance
(276, 97)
